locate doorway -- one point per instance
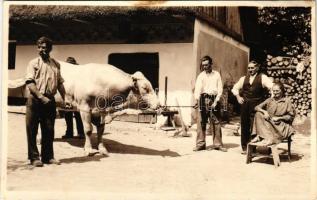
(147, 63)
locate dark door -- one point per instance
(147, 63)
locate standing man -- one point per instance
(43, 79)
(208, 90)
(250, 91)
(69, 116)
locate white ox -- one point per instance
(96, 88)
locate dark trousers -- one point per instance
(205, 113)
(38, 113)
(247, 118)
(69, 123)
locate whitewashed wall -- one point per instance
(175, 61)
(230, 57)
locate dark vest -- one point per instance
(255, 91)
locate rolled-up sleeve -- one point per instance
(30, 72)
(219, 88)
(263, 105)
(238, 86)
(267, 82)
(290, 109)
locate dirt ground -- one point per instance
(151, 164)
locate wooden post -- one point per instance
(165, 91)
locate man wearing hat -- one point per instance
(69, 116)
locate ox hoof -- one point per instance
(103, 150)
(88, 152)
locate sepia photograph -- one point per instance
(189, 100)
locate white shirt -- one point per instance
(266, 82)
(209, 83)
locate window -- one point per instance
(11, 54)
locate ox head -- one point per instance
(143, 89)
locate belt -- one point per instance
(206, 100)
(46, 95)
(205, 95)
(50, 96)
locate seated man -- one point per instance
(274, 117)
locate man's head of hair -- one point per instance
(206, 64)
(253, 68)
(206, 58)
(254, 63)
(71, 60)
(47, 41)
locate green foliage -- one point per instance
(286, 30)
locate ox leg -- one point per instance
(86, 118)
(102, 149)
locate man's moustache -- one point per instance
(43, 54)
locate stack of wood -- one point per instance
(295, 74)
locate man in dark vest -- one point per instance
(250, 91)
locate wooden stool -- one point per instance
(170, 117)
(252, 147)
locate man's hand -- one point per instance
(266, 115)
(240, 99)
(276, 120)
(44, 99)
(68, 105)
(35, 92)
(196, 104)
(213, 105)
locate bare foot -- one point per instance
(256, 139)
